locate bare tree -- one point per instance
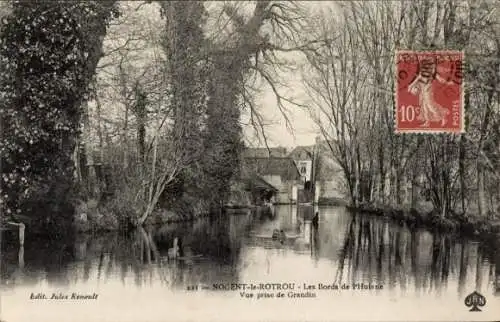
(438, 167)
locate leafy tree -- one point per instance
(48, 53)
(186, 71)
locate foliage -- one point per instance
(45, 54)
(184, 43)
(182, 103)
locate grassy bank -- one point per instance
(464, 224)
(332, 201)
(94, 216)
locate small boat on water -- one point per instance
(277, 235)
(268, 204)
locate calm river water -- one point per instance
(392, 273)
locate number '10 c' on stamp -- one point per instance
(429, 92)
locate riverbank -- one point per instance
(94, 216)
(469, 225)
(332, 201)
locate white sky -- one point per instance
(303, 129)
(147, 22)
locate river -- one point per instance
(369, 269)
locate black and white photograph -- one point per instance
(249, 160)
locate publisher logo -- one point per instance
(474, 300)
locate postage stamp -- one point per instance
(429, 92)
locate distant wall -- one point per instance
(286, 189)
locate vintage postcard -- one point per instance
(249, 161)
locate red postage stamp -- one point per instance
(429, 92)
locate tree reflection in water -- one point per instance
(357, 248)
(378, 251)
(139, 257)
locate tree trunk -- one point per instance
(99, 129)
(461, 171)
(397, 188)
(359, 191)
(91, 181)
(124, 133)
(141, 141)
(140, 113)
(415, 191)
(444, 208)
(481, 194)
(381, 174)
(76, 162)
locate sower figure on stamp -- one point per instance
(430, 110)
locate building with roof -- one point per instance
(279, 172)
(250, 189)
(317, 164)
